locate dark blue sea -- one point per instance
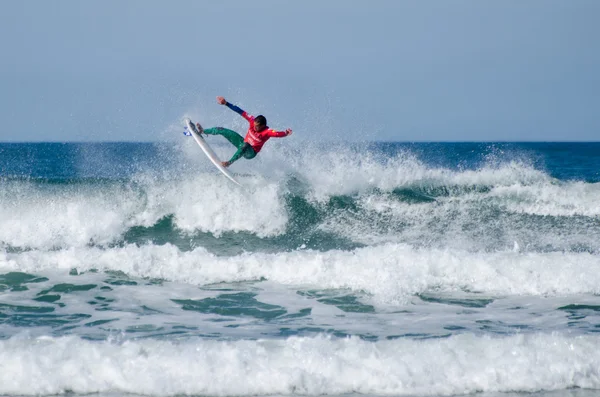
(379, 269)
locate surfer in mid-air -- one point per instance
(258, 133)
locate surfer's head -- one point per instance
(260, 123)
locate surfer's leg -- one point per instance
(245, 151)
(236, 139)
(248, 152)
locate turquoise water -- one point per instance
(417, 269)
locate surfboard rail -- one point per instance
(212, 156)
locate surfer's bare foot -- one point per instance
(199, 128)
(225, 164)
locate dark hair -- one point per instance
(260, 120)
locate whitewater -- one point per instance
(380, 269)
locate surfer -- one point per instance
(258, 133)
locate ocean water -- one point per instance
(379, 269)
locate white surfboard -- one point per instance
(208, 151)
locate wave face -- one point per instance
(325, 257)
(340, 199)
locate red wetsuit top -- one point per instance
(253, 138)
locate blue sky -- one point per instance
(357, 70)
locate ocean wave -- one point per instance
(360, 200)
(34, 216)
(390, 273)
(346, 171)
(461, 364)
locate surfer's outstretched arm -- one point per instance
(279, 134)
(236, 109)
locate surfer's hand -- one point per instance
(225, 164)
(288, 132)
(221, 100)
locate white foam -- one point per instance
(74, 216)
(63, 216)
(210, 203)
(477, 221)
(391, 273)
(342, 171)
(307, 366)
(199, 199)
(515, 185)
(567, 199)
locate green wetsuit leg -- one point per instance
(233, 137)
(244, 149)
